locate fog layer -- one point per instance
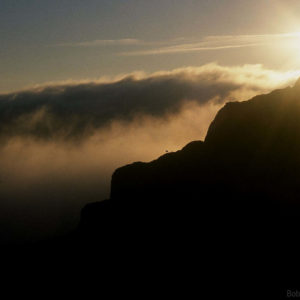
(61, 142)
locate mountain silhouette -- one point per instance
(248, 165)
(230, 203)
(237, 189)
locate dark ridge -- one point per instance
(239, 188)
(231, 202)
(248, 166)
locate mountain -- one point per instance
(237, 189)
(248, 166)
(226, 207)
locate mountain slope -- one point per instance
(250, 156)
(227, 206)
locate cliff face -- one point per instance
(248, 163)
(232, 200)
(239, 186)
(265, 125)
(227, 208)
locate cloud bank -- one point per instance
(74, 111)
(61, 142)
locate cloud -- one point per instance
(120, 42)
(61, 142)
(218, 42)
(73, 111)
(99, 43)
(183, 45)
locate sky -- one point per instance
(50, 41)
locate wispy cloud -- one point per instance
(122, 42)
(217, 42)
(138, 47)
(185, 48)
(98, 43)
(184, 45)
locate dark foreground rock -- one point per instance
(238, 189)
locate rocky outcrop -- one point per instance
(248, 168)
(249, 163)
(231, 201)
(220, 213)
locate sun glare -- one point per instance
(294, 41)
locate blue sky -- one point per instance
(42, 41)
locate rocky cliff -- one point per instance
(248, 163)
(226, 206)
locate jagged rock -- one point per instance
(249, 163)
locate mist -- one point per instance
(60, 143)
